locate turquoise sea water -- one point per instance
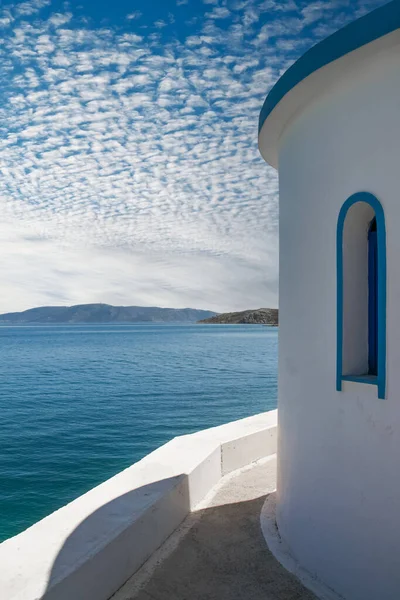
(80, 403)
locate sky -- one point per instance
(129, 168)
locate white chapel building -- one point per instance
(331, 126)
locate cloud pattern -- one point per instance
(129, 169)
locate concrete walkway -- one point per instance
(219, 553)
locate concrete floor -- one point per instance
(219, 553)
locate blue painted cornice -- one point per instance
(372, 26)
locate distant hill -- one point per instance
(264, 316)
(103, 313)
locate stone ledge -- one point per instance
(90, 547)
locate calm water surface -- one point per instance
(80, 403)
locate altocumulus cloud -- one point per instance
(129, 170)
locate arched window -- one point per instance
(361, 292)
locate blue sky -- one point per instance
(129, 169)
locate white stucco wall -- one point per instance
(339, 453)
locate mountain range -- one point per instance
(103, 313)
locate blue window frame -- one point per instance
(373, 299)
(376, 374)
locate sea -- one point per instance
(79, 403)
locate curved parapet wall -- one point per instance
(88, 549)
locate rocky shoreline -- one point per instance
(259, 316)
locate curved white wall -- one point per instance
(339, 453)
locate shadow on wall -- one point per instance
(115, 540)
(223, 556)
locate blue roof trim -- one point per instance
(371, 27)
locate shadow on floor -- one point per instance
(223, 557)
